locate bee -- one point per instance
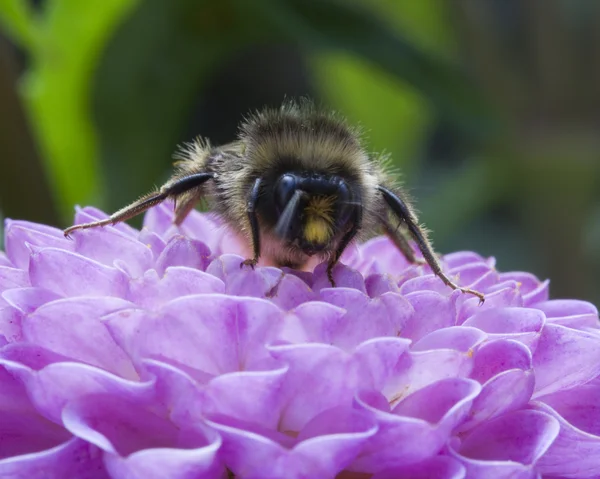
(296, 183)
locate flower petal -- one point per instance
(20, 234)
(70, 274)
(573, 454)
(418, 427)
(27, 300)
(139, 443)
(291, 291)
(252, 455)
(461, 338)
(520, 324)
(13, 278)
(211, 333)
(505, 297)
(388, 316)
(379, 284)
(343, 276)
(53, 386)
(261, 402)
(418, 369)
(108, 246)
(508, 446)
(432, 311)
(72, 458)
(565, 358)
(71, 327)
(151, 291)
(10, 324)
(571, 313)
(242, 280)
(439, 467)
(182, 251)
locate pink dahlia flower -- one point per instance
(128, 354)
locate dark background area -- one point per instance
(490, 108)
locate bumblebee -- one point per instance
(296, 183)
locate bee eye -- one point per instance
(284, 190)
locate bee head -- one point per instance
(312, 208)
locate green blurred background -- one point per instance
(490, 108)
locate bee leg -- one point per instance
(344, 242)
(172, 188)
(401, 242)
(404, 214)
(253, 220)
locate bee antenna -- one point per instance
(282, 228)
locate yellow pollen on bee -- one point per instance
(318, 227)
(317, 230)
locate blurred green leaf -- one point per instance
(460, 197)
(72, 35)
(353, 27)
(399, 121)
(17, 17)
(395, 115)
(152, 69)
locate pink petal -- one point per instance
(20, 234)
(462, 258)
(571, 313)
(460, 338)
(107, 247)
(261, 403)
(139, 443)
(152, 241)
(4, 261)
(313, 321)
(152, 291)
(53, 386)
(343, 276)
(565, 358)
(418, 369)
(439, 467)
(498, 356)
(504, 368)
(27, 300)
(380, 255)
(291, 291)
(479, 275)
(379, 284)
(574, 453)
(502, 298)
(71, 327)
(252, 455)
(387, 316)
(418, 427)
(13, 278)
(242, 280)
(432, 312)
(520, 324)
(159, 219)
(182, 251)
(73, 458)
(212, 333)
(508, 446)
(69, 274)
(580, 406)
(10, 324)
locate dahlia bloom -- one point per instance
(152, 354)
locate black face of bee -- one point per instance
(311, 208)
